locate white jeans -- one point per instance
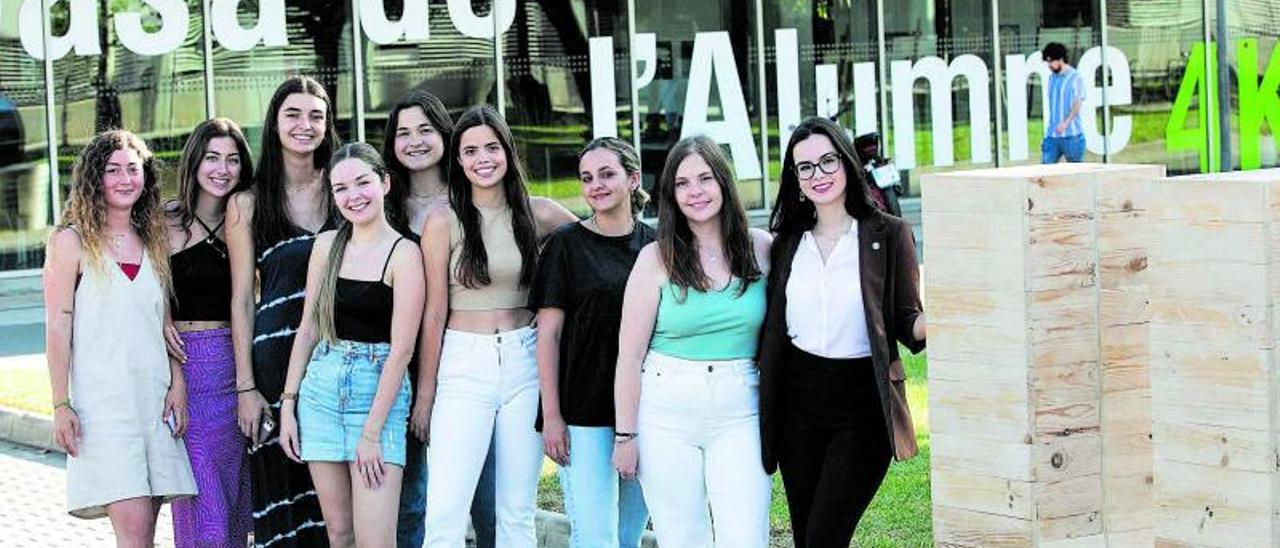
(486, 388)
(699, 440)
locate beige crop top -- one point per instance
(504, 290)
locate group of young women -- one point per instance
(351, 347)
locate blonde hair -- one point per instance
(86, 209)
(329, 282)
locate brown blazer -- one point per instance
(891, 302)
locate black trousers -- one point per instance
(833, 448)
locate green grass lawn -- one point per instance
(900, 515)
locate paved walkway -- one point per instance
(33, 505)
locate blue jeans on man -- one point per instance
(413, 500)
(603, 510)
(1054, 148)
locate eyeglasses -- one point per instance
(828, 163)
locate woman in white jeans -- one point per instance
(480, 380)
(686, 382)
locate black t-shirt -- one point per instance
(585, 274)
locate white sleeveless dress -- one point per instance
(119, 377)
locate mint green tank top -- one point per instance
(710, 325)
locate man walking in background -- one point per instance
(1063, 135)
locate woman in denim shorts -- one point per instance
(346, 375)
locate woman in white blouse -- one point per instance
(842, 293)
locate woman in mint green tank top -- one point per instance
(686, 385)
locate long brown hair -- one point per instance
(329, 282)
(86, 210)
(271, 221)
(184, 206)
(439, 118)
(473, 264)
(676, 242)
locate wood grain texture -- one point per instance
(1039, 310)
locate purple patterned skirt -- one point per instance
(221, 514)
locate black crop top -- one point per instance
(362, 308)
(202, 282)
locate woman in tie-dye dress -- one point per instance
(270, 233)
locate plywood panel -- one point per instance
(1038, 318)
(986, 494)
(955, 527)
(972, 453)
(970, 343)
(1214, 365)
(999, 412)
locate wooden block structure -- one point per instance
(1214, 367)
(1036, 294)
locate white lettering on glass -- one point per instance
(864, 97)
(82, 32)
(270, 30)
(713, 55)
(788, 83)
(940, 77)
(1018, 72)
(476, 26)
(413, 23)
(1120, 92)
(604, 92)
(175, 19)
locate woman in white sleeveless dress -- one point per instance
(119, 403)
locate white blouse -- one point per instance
(824, 300)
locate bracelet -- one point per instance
(288, 396)
(251, 388)
(623, 437)
(65, 403)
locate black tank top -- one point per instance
(202, 280)
(362, 308)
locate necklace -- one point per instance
(117, 240)
(713, 257)
(211, 235)
(425, 198)
(596, 225)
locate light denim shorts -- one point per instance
(335, 397)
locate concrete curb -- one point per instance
(37, 431)
(27, 428)
(553, 532)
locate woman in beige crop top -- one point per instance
(480, 379)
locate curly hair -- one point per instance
(86, 210)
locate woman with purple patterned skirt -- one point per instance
(215, 163)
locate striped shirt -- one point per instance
(1065, 88)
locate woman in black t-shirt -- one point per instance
(577, 293)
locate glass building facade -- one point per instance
(948, 84)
